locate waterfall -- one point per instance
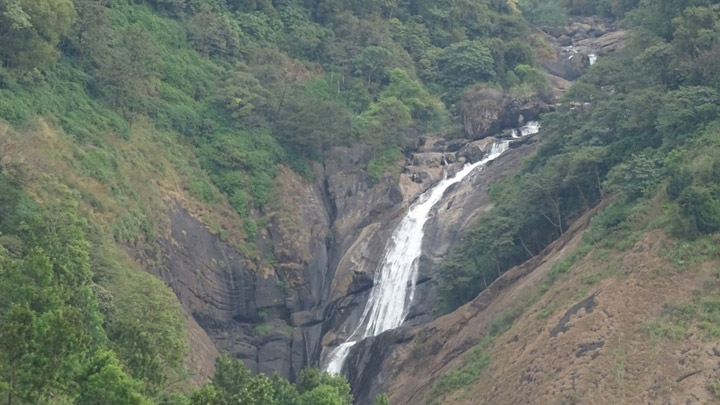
(395, 279)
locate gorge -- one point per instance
(395, 279)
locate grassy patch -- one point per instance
(463, 376)
(699, 315)
(683, 253)
(262, 330)
(714, 388)
(548, 310)
(564, 265)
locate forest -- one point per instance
(639, 129)
(247, 85)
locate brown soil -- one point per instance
(582, 342)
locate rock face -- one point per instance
(327, 237)
(485, 111)
(217, 287)
(577, 43)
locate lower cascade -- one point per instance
(394, 284)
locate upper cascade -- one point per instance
(395, 280)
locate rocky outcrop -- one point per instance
(579, 44)
(486, 111)
(227, 297)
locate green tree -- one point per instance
(372, 64)
(683, 110)
(323, 395)
(381, 399)
(91, 33)
(213, 34)
(311, 379)
(105, 383)
(701, 210)
(257, 391)
(17, 332)
(310, 129)
(465, 63)
(31, 29)
(244, 98)
(677, 184)
(127, 69)
(383, 124)
(231, 376)
(423, 107)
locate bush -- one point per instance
(379, 165)
(549, 13)
(701, 210)
(262, 330)
(678, 183)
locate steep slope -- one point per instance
(617, 326)
(622, 312)
(445, 343)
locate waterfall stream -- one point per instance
(395, 279)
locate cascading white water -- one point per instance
(394, 285)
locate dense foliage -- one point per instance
(252, 84)
(234, 384)
(209, 97)
(641, 123)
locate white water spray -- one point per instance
(395, 279)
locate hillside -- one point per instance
(618, 311)
(181, 179)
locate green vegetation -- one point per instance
(701, 314)
(549, 13)
(121, 106)
(263, 329)
(248, 86)
(714, 387)
(641, 128)
(112, 110)
(234, 384)
(56, 335)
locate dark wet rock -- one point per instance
(485, 111)
(587, 304)
(585, 348)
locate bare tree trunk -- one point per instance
(582, 196)
(12, 381)
(557, 212)
(522, 242)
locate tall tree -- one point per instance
(31, 29)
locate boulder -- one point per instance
(430, 160)
(485, 110)
(475, 151)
